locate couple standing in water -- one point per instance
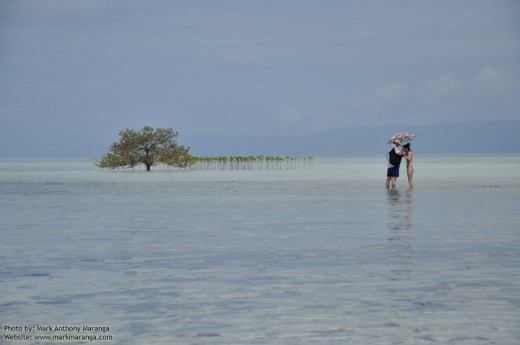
(394, 157)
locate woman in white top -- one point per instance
(408, 154)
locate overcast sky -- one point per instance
(89, 68)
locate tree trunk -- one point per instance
(148, 167)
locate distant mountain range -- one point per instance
(473, 137)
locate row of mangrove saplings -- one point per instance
(249, 163)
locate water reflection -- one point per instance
(400, 223)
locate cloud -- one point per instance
(390, 92)
(306, 117)
(484, 83)
(446, 97)
(492, 79)
(442, 87)
(289, 114)
(487, 92)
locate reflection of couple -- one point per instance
(394, 157)
(401, 252)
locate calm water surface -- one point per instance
(312, 256)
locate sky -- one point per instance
(75, 73)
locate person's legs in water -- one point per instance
(391, 177)
(410, 176)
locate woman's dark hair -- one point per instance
(407, 146)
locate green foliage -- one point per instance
(148, 146)
(151, 147)
(250, 163)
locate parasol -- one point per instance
(401, 137)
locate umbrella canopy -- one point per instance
(401, 137)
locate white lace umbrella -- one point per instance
(401, 137)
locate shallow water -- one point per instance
(312, 256)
